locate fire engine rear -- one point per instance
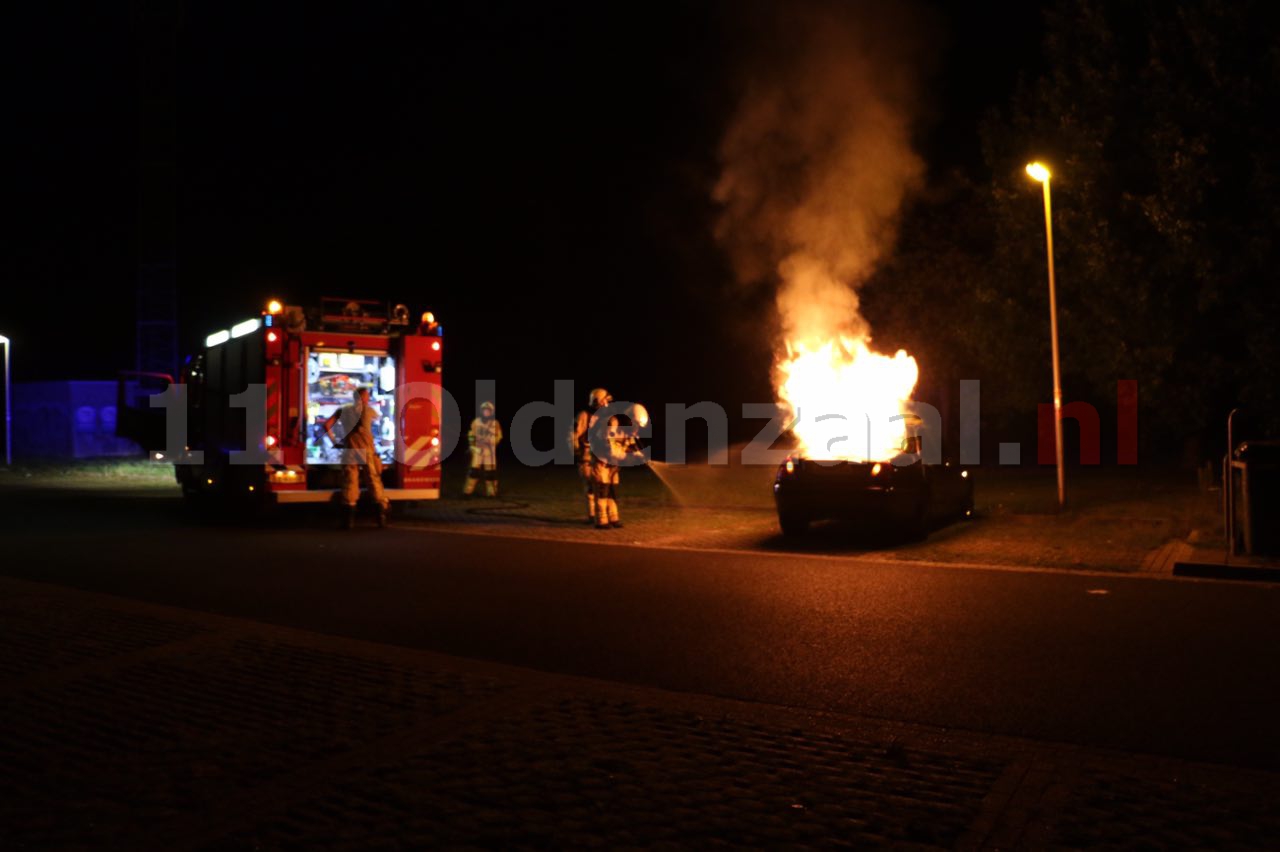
(257, 397)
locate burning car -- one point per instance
(859, 440)
(903, 491)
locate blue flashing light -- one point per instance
(268, 320)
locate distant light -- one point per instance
(1039, 171)
(272, 337)
(964, 474)
(436, 345)
(428, 318)
(250, 487)
(217, 338)
(789, 466)
(274, 307)
(249, 326)
(209, 480)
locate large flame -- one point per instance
(845, 401)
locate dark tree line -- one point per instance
(1159, 121)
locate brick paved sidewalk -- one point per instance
(131, 726)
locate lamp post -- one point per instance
(8, 417)
(1038, 171)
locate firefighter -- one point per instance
(581, 441)
(484, 437)
(359, 455)
(621, 443)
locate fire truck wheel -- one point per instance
(194, 499)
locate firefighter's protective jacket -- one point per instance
(484, 437)
(619, 446)
(357, 426)
(580, 438)
(360, 455)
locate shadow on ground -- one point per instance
(859, 536)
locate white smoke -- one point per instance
(817, 161)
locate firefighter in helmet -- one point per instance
(581, 441)
(359, 455)
(613, 441)
(484, 437)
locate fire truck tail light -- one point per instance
(270, 441)
(875, 469)
(435, 442)
(272, 337)
(435, 345)
(790, 466)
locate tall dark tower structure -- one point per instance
(156, 25)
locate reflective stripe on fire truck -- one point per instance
(418, 454)
(273, 401)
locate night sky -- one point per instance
(538, 175)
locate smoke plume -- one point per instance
(817, 160)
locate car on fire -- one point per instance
(903, 491)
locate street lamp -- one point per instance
(1038, 171)
(8, 417)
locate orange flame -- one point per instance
(845, 401)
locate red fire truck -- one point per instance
(258, 394)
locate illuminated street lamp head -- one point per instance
(1038, 171)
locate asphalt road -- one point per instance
(1184, 668)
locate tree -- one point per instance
(1156, 119)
